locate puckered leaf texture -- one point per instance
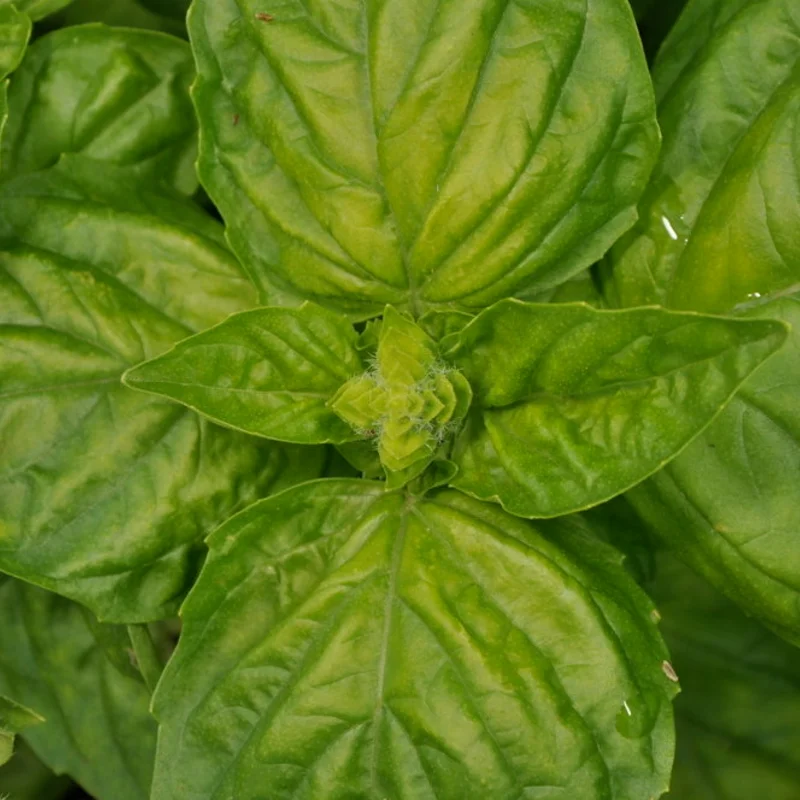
(106, 492)
(421, 154)
(111, 94)
(574, 405)
(344, 641)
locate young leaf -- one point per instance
(421, 154)
(268, 372)
(97, 727)
(14, 718)
(737, 713)
(35, 9)
(718, 224)
(730, 504)
(114, 95)
(107, 493)
(410, 402)
(369, 645)
(574, 405)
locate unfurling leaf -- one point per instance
(410, 402)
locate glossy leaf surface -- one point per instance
(97, 728)
(35, 9)
(574, 405)
(730, 504)
(718, 224)
(120, 13)
(106, 492)
(367, 646)
(268, 372)
(114, 95)
(740, 695)
(366, 154)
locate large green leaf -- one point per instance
(366, 645)
(730, 504)
(35, 9)
(421, 153)
(106, 492)
(737, 714)
(574, 405)
(719, 221)
(269, 372)
(114, 95)
(97, 728)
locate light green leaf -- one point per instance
(26, 778)
(368, 645)
(14, 718)
(268, 372)
(410, 402)
(97, 728)
(107, 493)
(719, 221)
(35, 9)
(737, 713)
(574, 405)
(421, 154)
(115, 95)
(730, 504)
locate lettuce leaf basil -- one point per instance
(114, 95)
(368, 645)
(109, 492)
(421, 155)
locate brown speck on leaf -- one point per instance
(669, 671)
(235, 120)
(264, 17)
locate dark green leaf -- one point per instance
(719, 220)
(97, 728)
(14, 718)
(35, 9)
(106, 492)
(114, 95)
(15, 30)
(367, 645)
(574, 405)
(269, 372)
(122, 13)
(421, 154)
(730, 504)
(175, 9)
(26, 778)
(737, 713)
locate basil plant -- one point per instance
(351, 476)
